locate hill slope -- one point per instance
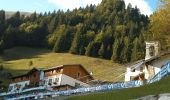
(17, 61)
(132, 93)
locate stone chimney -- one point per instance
(152, 49)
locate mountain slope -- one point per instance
(17, 61)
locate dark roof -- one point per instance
(53, 68)
(62, 86)
(148, 60)
(134, 63)
(28, 73)
(157, 57)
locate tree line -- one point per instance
(109, 30)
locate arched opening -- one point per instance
(152, 51)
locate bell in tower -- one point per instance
(152, 49)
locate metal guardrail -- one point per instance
(164, 71)
(106, 87)
(115, 86)
(25, 90)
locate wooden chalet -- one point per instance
(56, 78)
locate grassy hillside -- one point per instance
(17, 60)
(133, 93)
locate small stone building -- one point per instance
(147, 68)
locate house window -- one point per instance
(151, 50)
(54, 71)
(56, 79)
(50, 81)
(10, 88)
(34, 75)
(133, 70)
(26, 84)
(21, 78)
(27, 77)
(77, 84)
(78, 75)
(141, 69)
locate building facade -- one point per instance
(148, 67)
(57, 78)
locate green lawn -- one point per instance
(162, 86)
(17, 60)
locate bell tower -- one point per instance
(152, 49)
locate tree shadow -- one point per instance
(16, 72)
(23, 53)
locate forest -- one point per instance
(109, 31)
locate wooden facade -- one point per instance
(52, 72)
(63, 87)
(75, 71)
(32, 76)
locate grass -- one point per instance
(132, 93)
(16, 61)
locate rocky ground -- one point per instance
(165, 96)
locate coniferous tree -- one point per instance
(63, 42)
(116, 50)
(2, 23)
(89, 49)
(76, 43)
(52, 25)
(1, 46)
(78, 40)
(102, 51)
(108, 52)
(135, 50)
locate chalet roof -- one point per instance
(131, 64)
(62, 66)
(157, 57)
(53, 68)
(28, 73)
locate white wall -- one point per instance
(22, 84)
(71, 81)
(159, 63)
(63, 80)
(53, 80)
(156, 64)
(129, 73)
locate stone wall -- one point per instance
(165, 96)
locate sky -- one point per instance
(146, 7)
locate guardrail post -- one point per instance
(168, 66)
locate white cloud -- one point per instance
(142, 5)
(71, 4)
